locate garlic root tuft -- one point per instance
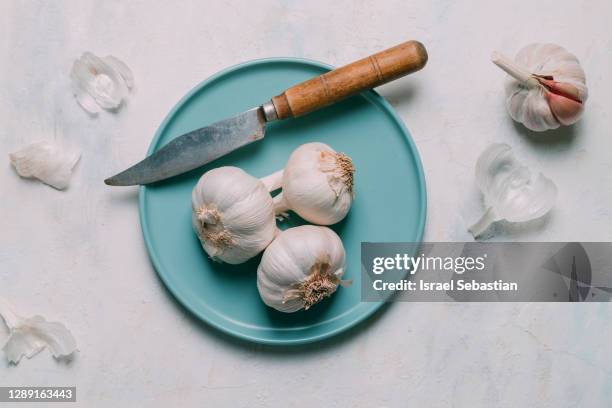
(212, 227)
(321, 283)
(339, 168)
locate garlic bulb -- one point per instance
(46, 161)
(510, 191)
(317, 183)
(100, 82)
(28, 336)
(301, 267)
(233, 214)
(547, 89)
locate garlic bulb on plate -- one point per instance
(46, 161)
(317, 184)
(233, 214)
(301, 267)
(510, 190)
(100, 82)
(28, 336)
(547, 88)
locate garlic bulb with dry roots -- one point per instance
(317, 184)
(301, 267)
(233, 215)
(510, 190)
(547, 88)
(46, 161)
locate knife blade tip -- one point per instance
(112, 181)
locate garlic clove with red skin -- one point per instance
(567, 111)
(547, 87)
(561, 88)
(564, 101)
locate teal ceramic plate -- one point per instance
(390, 202)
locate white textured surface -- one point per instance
(78, 256)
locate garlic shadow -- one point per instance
(244, 271)
(276, 351)
(313, 349)
(399, 93)
(68, 360)
(123, 194)
(507, 229)
(272, 351)
(294, 220)
(562, 138)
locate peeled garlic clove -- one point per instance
(46, 161)
(510, 191)
(122, 69)
(29, 336)
(301, 267)
(547, 89)
(317, 184)
(233, 215)
(100, 82)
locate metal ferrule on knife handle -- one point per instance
(348, 80)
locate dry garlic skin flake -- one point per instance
(46, 161)
(233, 215)
(317, 184)
(547, 86)
(301, 267)
(511, 192)
(30, 335)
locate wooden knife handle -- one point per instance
(350, 79)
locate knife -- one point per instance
(206, 144)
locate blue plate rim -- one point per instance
(370, 307)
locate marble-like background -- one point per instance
(79, 256)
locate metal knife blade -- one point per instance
(195, 149)
(208, 143)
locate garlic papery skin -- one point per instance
(317, 184)
(46, 161)
(301, 267)
(100, 82)
(510, 191)
(547, 87)
(233, 215)
(28, 336)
